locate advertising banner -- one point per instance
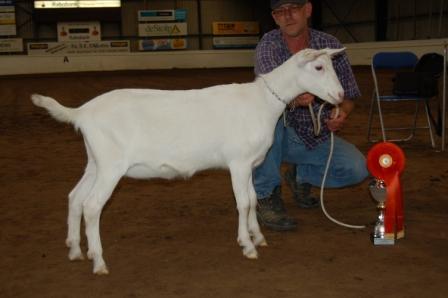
(162, 44)
(84, 31)
(7, 20)
(9, 45)
(6, 2)
(78, 48)
(162, 15)
(235, 42)
(235, 28)
(162, 29)
(76, 4)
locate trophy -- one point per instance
(385, 162)
(379, 193)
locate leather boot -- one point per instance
(302, 192)
(272, 213)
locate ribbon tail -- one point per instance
(394, 227)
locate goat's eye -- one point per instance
(319, 68)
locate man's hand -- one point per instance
(336, 123)
(302, 100)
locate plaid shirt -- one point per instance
(272, 51)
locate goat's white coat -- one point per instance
(156, 133)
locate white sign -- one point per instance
(88, 31)
(162, 29)
(77, 3)
(11, 45)
(7, 30)
(78, 48)
(7, 21)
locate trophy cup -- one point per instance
(378, 191)
(385, 162)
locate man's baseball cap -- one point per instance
(276, 3)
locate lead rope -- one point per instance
(317, 128)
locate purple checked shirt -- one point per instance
(272, 51)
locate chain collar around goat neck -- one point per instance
(273, 92)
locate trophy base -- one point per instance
(386, 240)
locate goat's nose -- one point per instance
(341, 95)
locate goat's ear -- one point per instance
(308, 55)
(334, 52)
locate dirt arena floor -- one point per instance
(178, 238)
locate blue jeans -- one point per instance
(348, 164)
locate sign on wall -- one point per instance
(158, 44)
(231, 42)
(84, 31)
(76, 3)
(162, 15)
(78, 48)
(162, 29)
(6, 2)
(9, 45)
(239, 28)
(7, 20)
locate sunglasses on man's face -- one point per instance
(286, 10)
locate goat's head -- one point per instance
(318, 76)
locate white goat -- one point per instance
(156, 133)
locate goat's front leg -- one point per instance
(254, 228)
(240, 178)
(100, 193)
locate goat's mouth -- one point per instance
(334, 99)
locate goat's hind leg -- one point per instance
(76, 198)
(101, 191)
(240, 179)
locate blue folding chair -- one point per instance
(395, 61)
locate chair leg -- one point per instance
(369, 123)
(380, 114)
(414, 127)
(431, 136)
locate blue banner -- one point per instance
(6, 2)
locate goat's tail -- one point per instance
(58, 111)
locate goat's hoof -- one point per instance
(102, 270)
(262, 243)
(251, 254)
(75, 256)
